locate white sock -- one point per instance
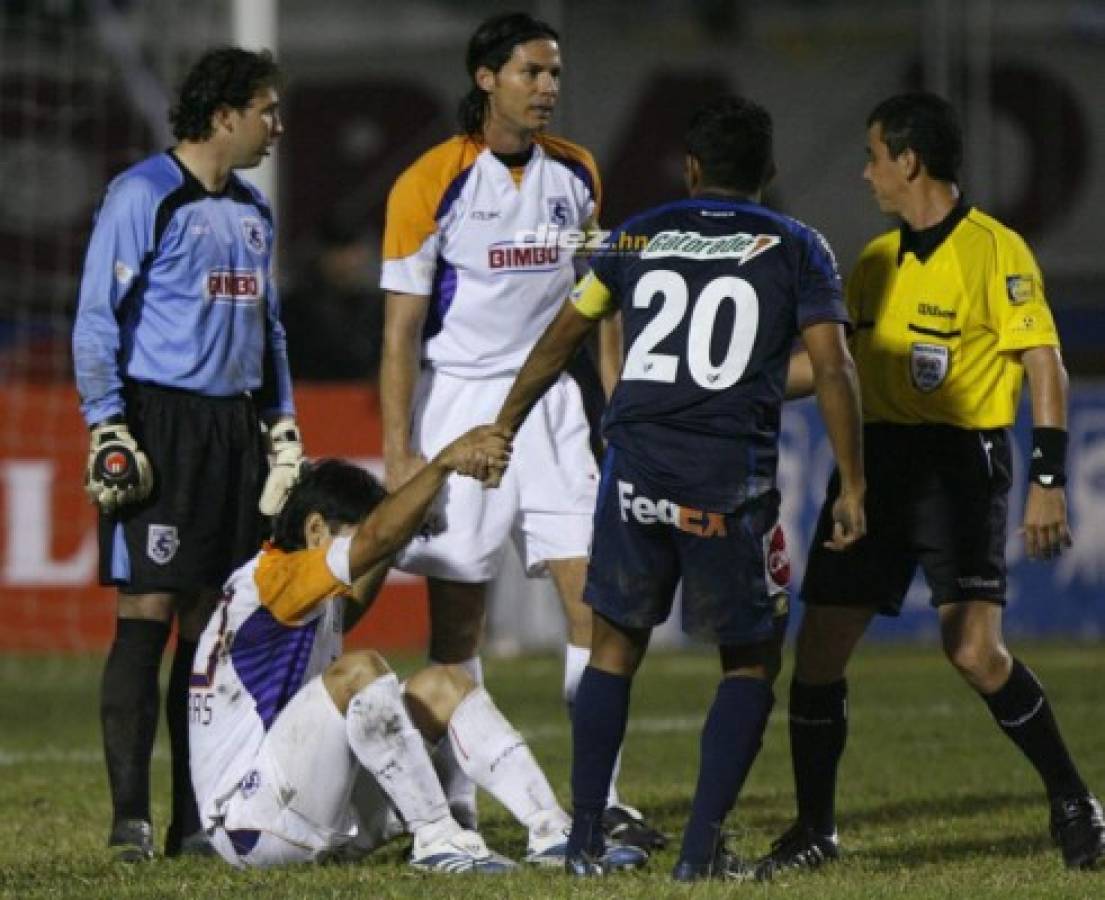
(612, 798)
(575, 661)
(460, 790)
(473, 666)
(496, 757)
(387, 744)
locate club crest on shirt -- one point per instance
(928, 366)
(254, 233)
(250, 784)
(162, 542)
(1020, 288)
(558, 210)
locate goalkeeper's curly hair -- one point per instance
(223, 76)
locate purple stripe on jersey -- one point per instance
(578, 169)
(451, 194)
(441, 298)
(271, 659)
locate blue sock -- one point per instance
(731, 738)
(599, 717)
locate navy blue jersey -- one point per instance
(178, 291)
(713, 293)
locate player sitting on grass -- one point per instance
(301, 752)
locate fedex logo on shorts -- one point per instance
(233, 285)
(664, 512)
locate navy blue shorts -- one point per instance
(733, 566)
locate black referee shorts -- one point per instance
(201, 521)
(937, 497)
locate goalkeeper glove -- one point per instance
(286, 457)
(117, 472)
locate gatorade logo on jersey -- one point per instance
(512, 257)
(692, 245)
(233, 286)
(664, 512)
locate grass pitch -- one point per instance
(933, 801)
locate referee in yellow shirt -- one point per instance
(950, 315)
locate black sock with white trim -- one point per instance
(1021, 710)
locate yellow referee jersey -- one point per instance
(937, 338)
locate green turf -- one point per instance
(933, 802)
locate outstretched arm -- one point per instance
(479, 453)
(363, 592)
(837, 388)
(545, 362)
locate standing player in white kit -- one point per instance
(466, 302)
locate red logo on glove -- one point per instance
(116, 464)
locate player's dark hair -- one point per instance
(733, 140)
(223, 76)
(928, 125)
(492, 45)
(343, 494)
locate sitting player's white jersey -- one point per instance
(278, 625)
(454, 222)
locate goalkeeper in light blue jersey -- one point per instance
(177, 332)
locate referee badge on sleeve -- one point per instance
(1020, 288)
(928, 366)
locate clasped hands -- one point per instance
(482, 453)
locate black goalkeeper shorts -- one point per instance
(937, 497)
(201, 520)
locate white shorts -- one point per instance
(547, 498)
(306, 798)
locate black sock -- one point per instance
(185, 818)
(128, 713)
(1021, 710)
(599, 717)
(731, 738)
(818, 732)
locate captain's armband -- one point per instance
(592, 298)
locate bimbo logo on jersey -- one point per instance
(233, 285)
(531, 256)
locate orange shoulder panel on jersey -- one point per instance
(417, 194)
(290, 585)
(567, 151)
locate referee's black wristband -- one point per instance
(1048, 467)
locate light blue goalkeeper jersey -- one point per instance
(178, 291)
